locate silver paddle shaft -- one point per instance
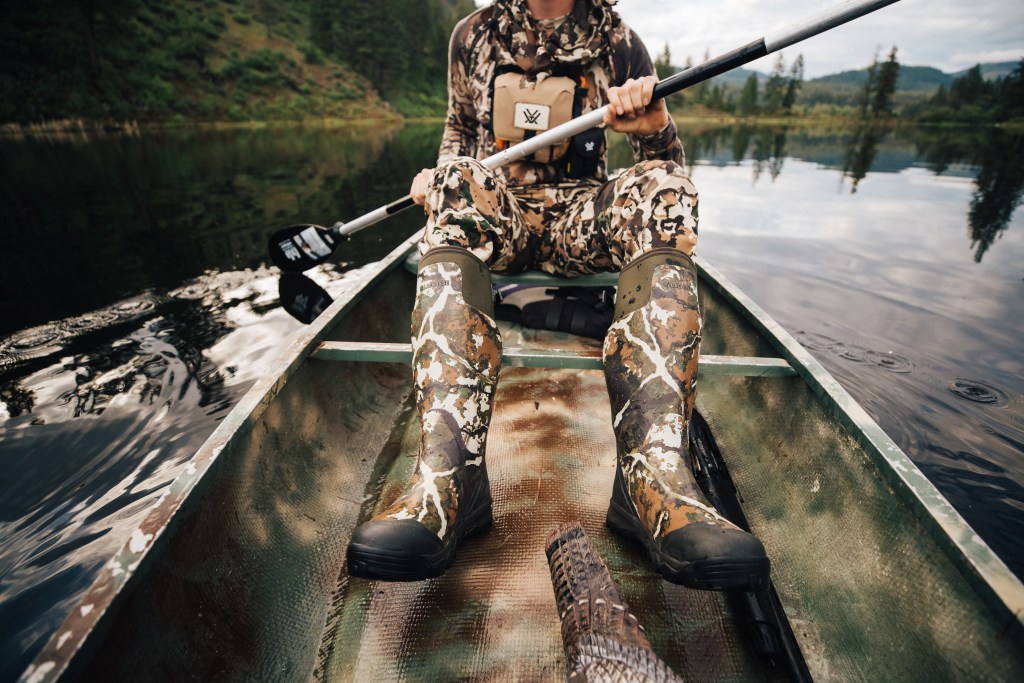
(773, 42)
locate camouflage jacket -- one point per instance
(592, 40)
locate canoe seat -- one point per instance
(710, 365)
(533, 278)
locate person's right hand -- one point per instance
(418, 191)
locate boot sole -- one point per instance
(713, 574)
(373, 563)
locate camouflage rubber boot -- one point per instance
(456, 357)
(650, 360)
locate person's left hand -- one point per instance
(630, 109)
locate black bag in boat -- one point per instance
(584, 311)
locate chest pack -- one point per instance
(523, 106)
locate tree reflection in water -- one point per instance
(861, 151)
(992, 155)
(178, 225)
(999, 183)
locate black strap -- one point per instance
(579, 318)
(554, 313)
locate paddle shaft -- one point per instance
(773, 42)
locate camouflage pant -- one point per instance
(565, 230)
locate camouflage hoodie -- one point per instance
(591, 39)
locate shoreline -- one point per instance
(74, 127)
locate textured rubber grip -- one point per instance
(602, 639)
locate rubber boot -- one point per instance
(456, 357)
(650, 360)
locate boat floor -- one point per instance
(492, 616)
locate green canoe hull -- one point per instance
(238, 572)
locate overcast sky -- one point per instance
(950, 35)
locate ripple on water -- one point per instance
(133, 307)
(33, 343)
(887, 360)
(35, 338)
(92, 321)
(819, 342)
(192, 292)
(977, 391)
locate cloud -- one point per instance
(948, 34)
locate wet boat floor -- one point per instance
(492, 616)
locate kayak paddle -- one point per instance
(300, 247)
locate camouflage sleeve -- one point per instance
(665, 144)
(460, 127)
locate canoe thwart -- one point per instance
(579, 359)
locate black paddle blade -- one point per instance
(300, 247)
(302, 298)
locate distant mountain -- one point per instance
(912, 78)
(992, 70)
(737, 77)
(916, 78)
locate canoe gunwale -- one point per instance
(984, 570)
(72, 641)
(79, 633)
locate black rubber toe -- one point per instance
(712, 557)
(405, 550)
(699, 555)
(397, 550)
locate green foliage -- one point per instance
(401, 46)
(119, 60)
(782, 87)
(775, 88)
(971, 98)
(876, 93)
(663, 68)
(748, 98)
(888, 75)
(311, 53)
(793, 84)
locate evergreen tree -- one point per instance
(748, 98)
(1010, 100)
(775, 88)
(663, 64)
(969, 88)
(323, 18)
(700, 91)
(868, 89)
(796, 79)
(401, 46)
(888, 75)
(270, 11)
(663, 68)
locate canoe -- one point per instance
(238, 571)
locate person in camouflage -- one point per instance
(533, 214)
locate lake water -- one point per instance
(138, 305)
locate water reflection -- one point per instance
(303, 298)
(1000, 186)
(861, 151)
(991, 156)
(999, 182)
(144, 310)
(138, 306)
(126, 214)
